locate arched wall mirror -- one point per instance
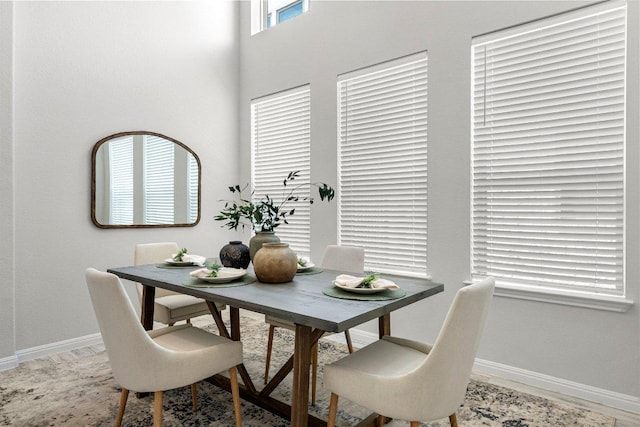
(144, 179)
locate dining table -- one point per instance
(310, 301)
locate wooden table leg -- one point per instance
(234, 317)
(384, 325)
(300, 389)
(148, 303)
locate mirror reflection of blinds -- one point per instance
(158, 180)
(548, 122)
(281, 141)
(382, 132)
(121, 180)
(193, 189)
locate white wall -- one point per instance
(7, 268)
(590, 347)
(85, 70)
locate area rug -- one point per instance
(76, 388)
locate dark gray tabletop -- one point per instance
(300, 301)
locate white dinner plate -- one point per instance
(225, 275)
(306, 267)
(170, 261)
(359, 290)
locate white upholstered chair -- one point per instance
(408, 380)
(336, 257)
(161, 359)
(170, 307)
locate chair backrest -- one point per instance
(449, 363)
(129, 347)
(153, 253)
(344, 258)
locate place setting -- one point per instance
(372, 287)
(182, 259)
(305, 266)
(214, 274)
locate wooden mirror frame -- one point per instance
(94, 153)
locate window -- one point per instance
(548, 130)
(152, 181)
(192, 188)
(121, 181)
(382, 134)
(268, 13)
(159, 185)
(280, 141)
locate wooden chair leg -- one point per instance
(314, 372)
(157, 409)
(123, 404)
(380, 421)
(194, 396)
(347, 336)
(333, 410)
(269, 348)
(453, 420)
(235, 392)
(415, 424)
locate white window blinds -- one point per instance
(382, 133)
(280, 126)
(193, 179)
(121, 181)
(159, 180)
(548, 120)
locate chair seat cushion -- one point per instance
(383, 358)
(383, 369)
(195, 354)
(186, 338)
(172, 308)
(281, 323)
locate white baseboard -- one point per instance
(546, 382)
(57, 347)
(559, 385)
(7, 363)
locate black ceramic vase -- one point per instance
(235, 255)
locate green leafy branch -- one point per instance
(268, 213)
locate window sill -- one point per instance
(576, 299)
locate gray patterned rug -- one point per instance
(76, 389)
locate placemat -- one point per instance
(334, 292)
(195, 283)
(312, 270)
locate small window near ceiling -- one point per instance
(269, 13)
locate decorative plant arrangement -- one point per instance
(269, 212)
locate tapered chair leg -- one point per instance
(380, 421)
(157, 409)
(194, 396)
(269, 348)
(333, 410)
(453, 420)
(347, 336)
(123, 404)
(415, 424)
(235, 392)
